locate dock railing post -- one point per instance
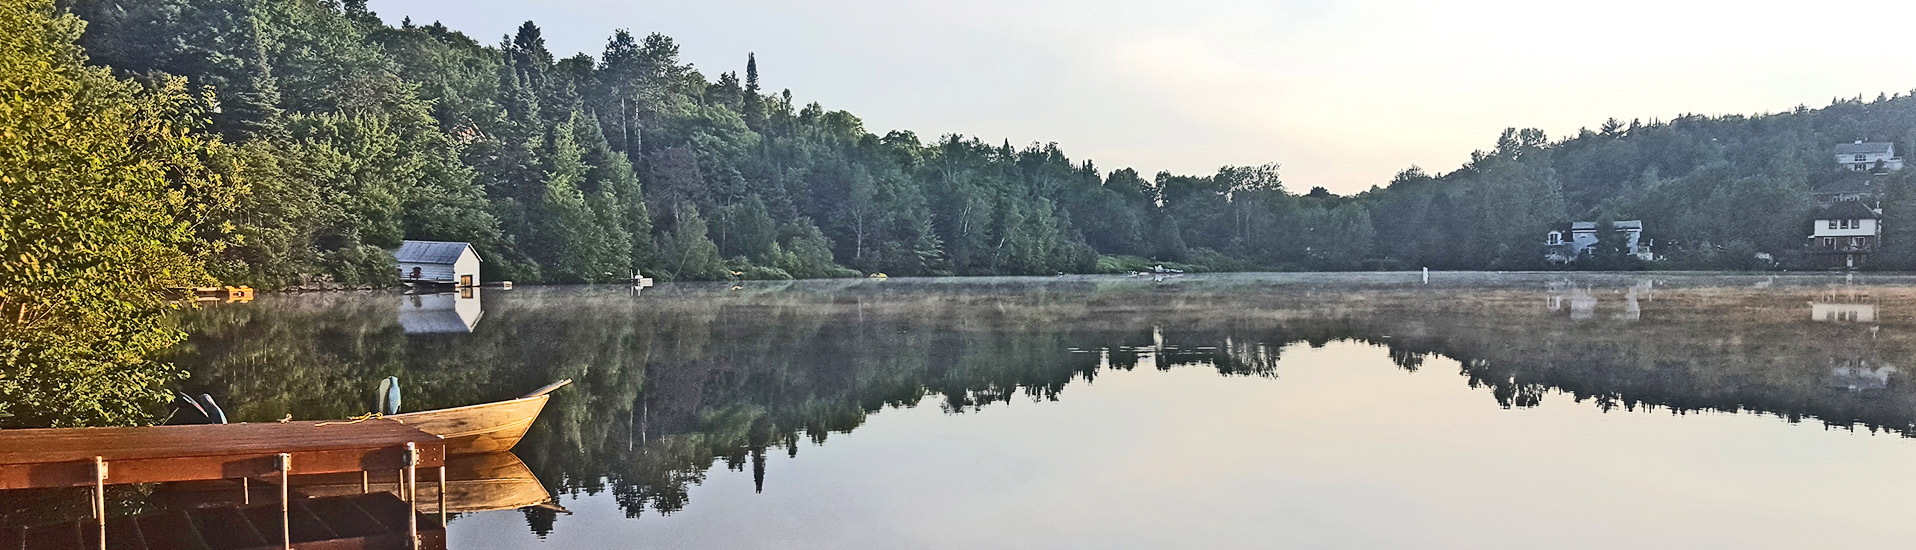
(285, 526)
(99, 496)
(412, 488)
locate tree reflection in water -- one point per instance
(673, 382)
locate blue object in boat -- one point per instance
(389, 395)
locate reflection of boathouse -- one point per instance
(1859, 376)
(444, 313)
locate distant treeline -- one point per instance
(346, 135)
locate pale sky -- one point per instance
(1342, 93)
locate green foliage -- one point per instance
(109, 201)
(685, 252)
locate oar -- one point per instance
(218, 416)
(188, 400)
(548, 388)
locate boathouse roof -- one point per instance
(431, 252)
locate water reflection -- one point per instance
(672, 384)
(441, 313)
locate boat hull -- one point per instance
(479, 429)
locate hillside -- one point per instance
(351, 134)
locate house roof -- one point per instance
(1592, 226)
(1847, 210)
(1850, 184)
(1866, 147)
(430, 252)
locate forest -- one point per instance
(293, 143)
(341, 135)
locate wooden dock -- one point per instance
(373, 521)
(96, 457)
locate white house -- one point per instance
(1567, 242)
(1845, 235)
(437, 263)
(1863, 156)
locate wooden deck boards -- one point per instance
(64, 457)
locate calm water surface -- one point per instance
(1210, 411)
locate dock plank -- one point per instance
(32, 446)
(170, 531)
(63, 457)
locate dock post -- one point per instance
(285, 526)
(365, 482)
(246, 490)
(99, 496)
(442, 496)
(412, 488)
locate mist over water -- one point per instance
(1229, 411)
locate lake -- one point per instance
(1206, 411)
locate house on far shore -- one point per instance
(437, 263)
(1863, 156)
(1864, 188)
(1844, 236)
(1566, 242)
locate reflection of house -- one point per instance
(1860, 376)
(1566, 243)
(1579, 300)
(444, 313)
(437, 262)
(1582, 301)
(1844, 236)
(1864, 156)
(1843, 313)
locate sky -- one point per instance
(1341, 93)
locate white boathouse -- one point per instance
(438, 262)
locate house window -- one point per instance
(1832, 224)
(1862, 158)
(1829, 242)
(1856, 242)
(1555, 238)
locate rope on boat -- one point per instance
(354, 420)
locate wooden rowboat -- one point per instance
(483, 428)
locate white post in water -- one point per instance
(1426, 275)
